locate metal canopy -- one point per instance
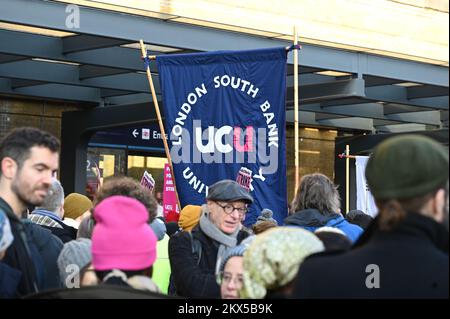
(96, 66)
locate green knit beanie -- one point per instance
(407, 166)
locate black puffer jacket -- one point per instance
(195, 279)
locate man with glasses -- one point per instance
(196, 256)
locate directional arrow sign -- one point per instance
(135, 133)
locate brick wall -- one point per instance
(41, 114)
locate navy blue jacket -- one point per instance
(49, 247)
(23, 255)
(9, 281)
(33, 253)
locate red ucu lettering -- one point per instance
(248, 139)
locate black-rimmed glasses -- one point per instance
(229, 209)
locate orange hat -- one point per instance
(189, 217)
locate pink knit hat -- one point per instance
(122, 238)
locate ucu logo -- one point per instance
(226, 144)
(224, 139)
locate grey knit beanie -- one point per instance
(77, 253)
(238, 250)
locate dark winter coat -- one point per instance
(193, 278)
(23, 255)
(49, 248)
(410, 261)
(311, 219)
(33, 253)
(9, 281)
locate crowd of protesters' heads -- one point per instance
(120, 242)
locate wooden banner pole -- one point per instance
(347, 178)
(158, 114)
(296, 133)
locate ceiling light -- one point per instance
(408, 84)
(28, 29)
(333, 73)
(54, 61)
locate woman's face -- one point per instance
(232, 278)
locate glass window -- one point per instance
(137, 165)
(102, 163)
(316, 148)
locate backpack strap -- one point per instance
(196, 248)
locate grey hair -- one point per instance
(319, 192)
(54, 198)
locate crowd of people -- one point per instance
(52, 241)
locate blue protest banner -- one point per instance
(225, 118)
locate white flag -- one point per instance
(364, 198)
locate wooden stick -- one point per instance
(296, 135)
(160, 122)
(347, 178)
